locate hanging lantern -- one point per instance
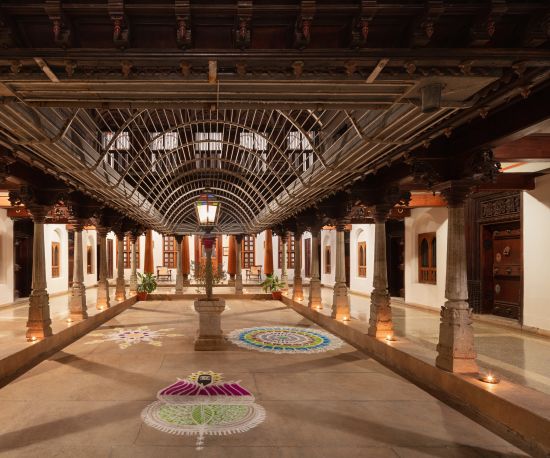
(208, 209)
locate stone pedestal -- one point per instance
(210, 334)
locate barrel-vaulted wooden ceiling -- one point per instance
(272, 105)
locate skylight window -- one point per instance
(167, 141)
(297, 140)
(202, 143)
(122, 142)
(253, 140)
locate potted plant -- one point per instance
(199, 274)
(147, 284)
(273, 284)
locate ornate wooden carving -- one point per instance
(302, 28)
(183, 22)
(242, 29)
(424, 26)
(61, 26)
(360, 24)
(499, 208)
(121, 24)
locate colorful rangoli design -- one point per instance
(203, 404)
(128, 337)
(285, 339)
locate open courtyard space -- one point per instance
(87, 400)
(272, 228)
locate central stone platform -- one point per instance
(210, 334)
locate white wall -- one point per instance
(328, 238)
(425, 220)
(361, 233)
(536, 253)
(6, 258)
(57, 233)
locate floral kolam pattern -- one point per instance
(203, 404)
(126, 337)
(285, 339)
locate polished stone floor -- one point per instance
(86, 400)
(520, 357)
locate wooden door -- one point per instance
(23, 231)
(307, 256)
(217, 252)
(502, 270)
(110, 248)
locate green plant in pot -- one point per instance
(274, 285)
(147, 284)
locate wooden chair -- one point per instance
(164, 273)
(254, 272)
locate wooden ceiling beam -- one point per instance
(534, 147)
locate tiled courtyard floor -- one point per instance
(86, 401)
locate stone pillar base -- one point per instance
(103, 301)
(455, 350)
(186, 281)
(120, 292)
(314, 300)
(210, 335)
(77, 303)
(133, 285)
(297, 290)
(238, 286)
(231, 280)
(380, 323)
(340, 302)
(39, 323)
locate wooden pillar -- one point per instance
(315, 281)
(231, 260)
(238, 264)
(134, 240)
(120, 292)
(380, 322)
(39, 322)
(455, 350)
(283, 237)
(340, 298)
(148, 262)
(186, 265)
(77, 301)
(103, 300)
(268, 252)
(297, 290)
(179, 264)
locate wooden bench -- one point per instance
(164, 273)
(254, 272)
